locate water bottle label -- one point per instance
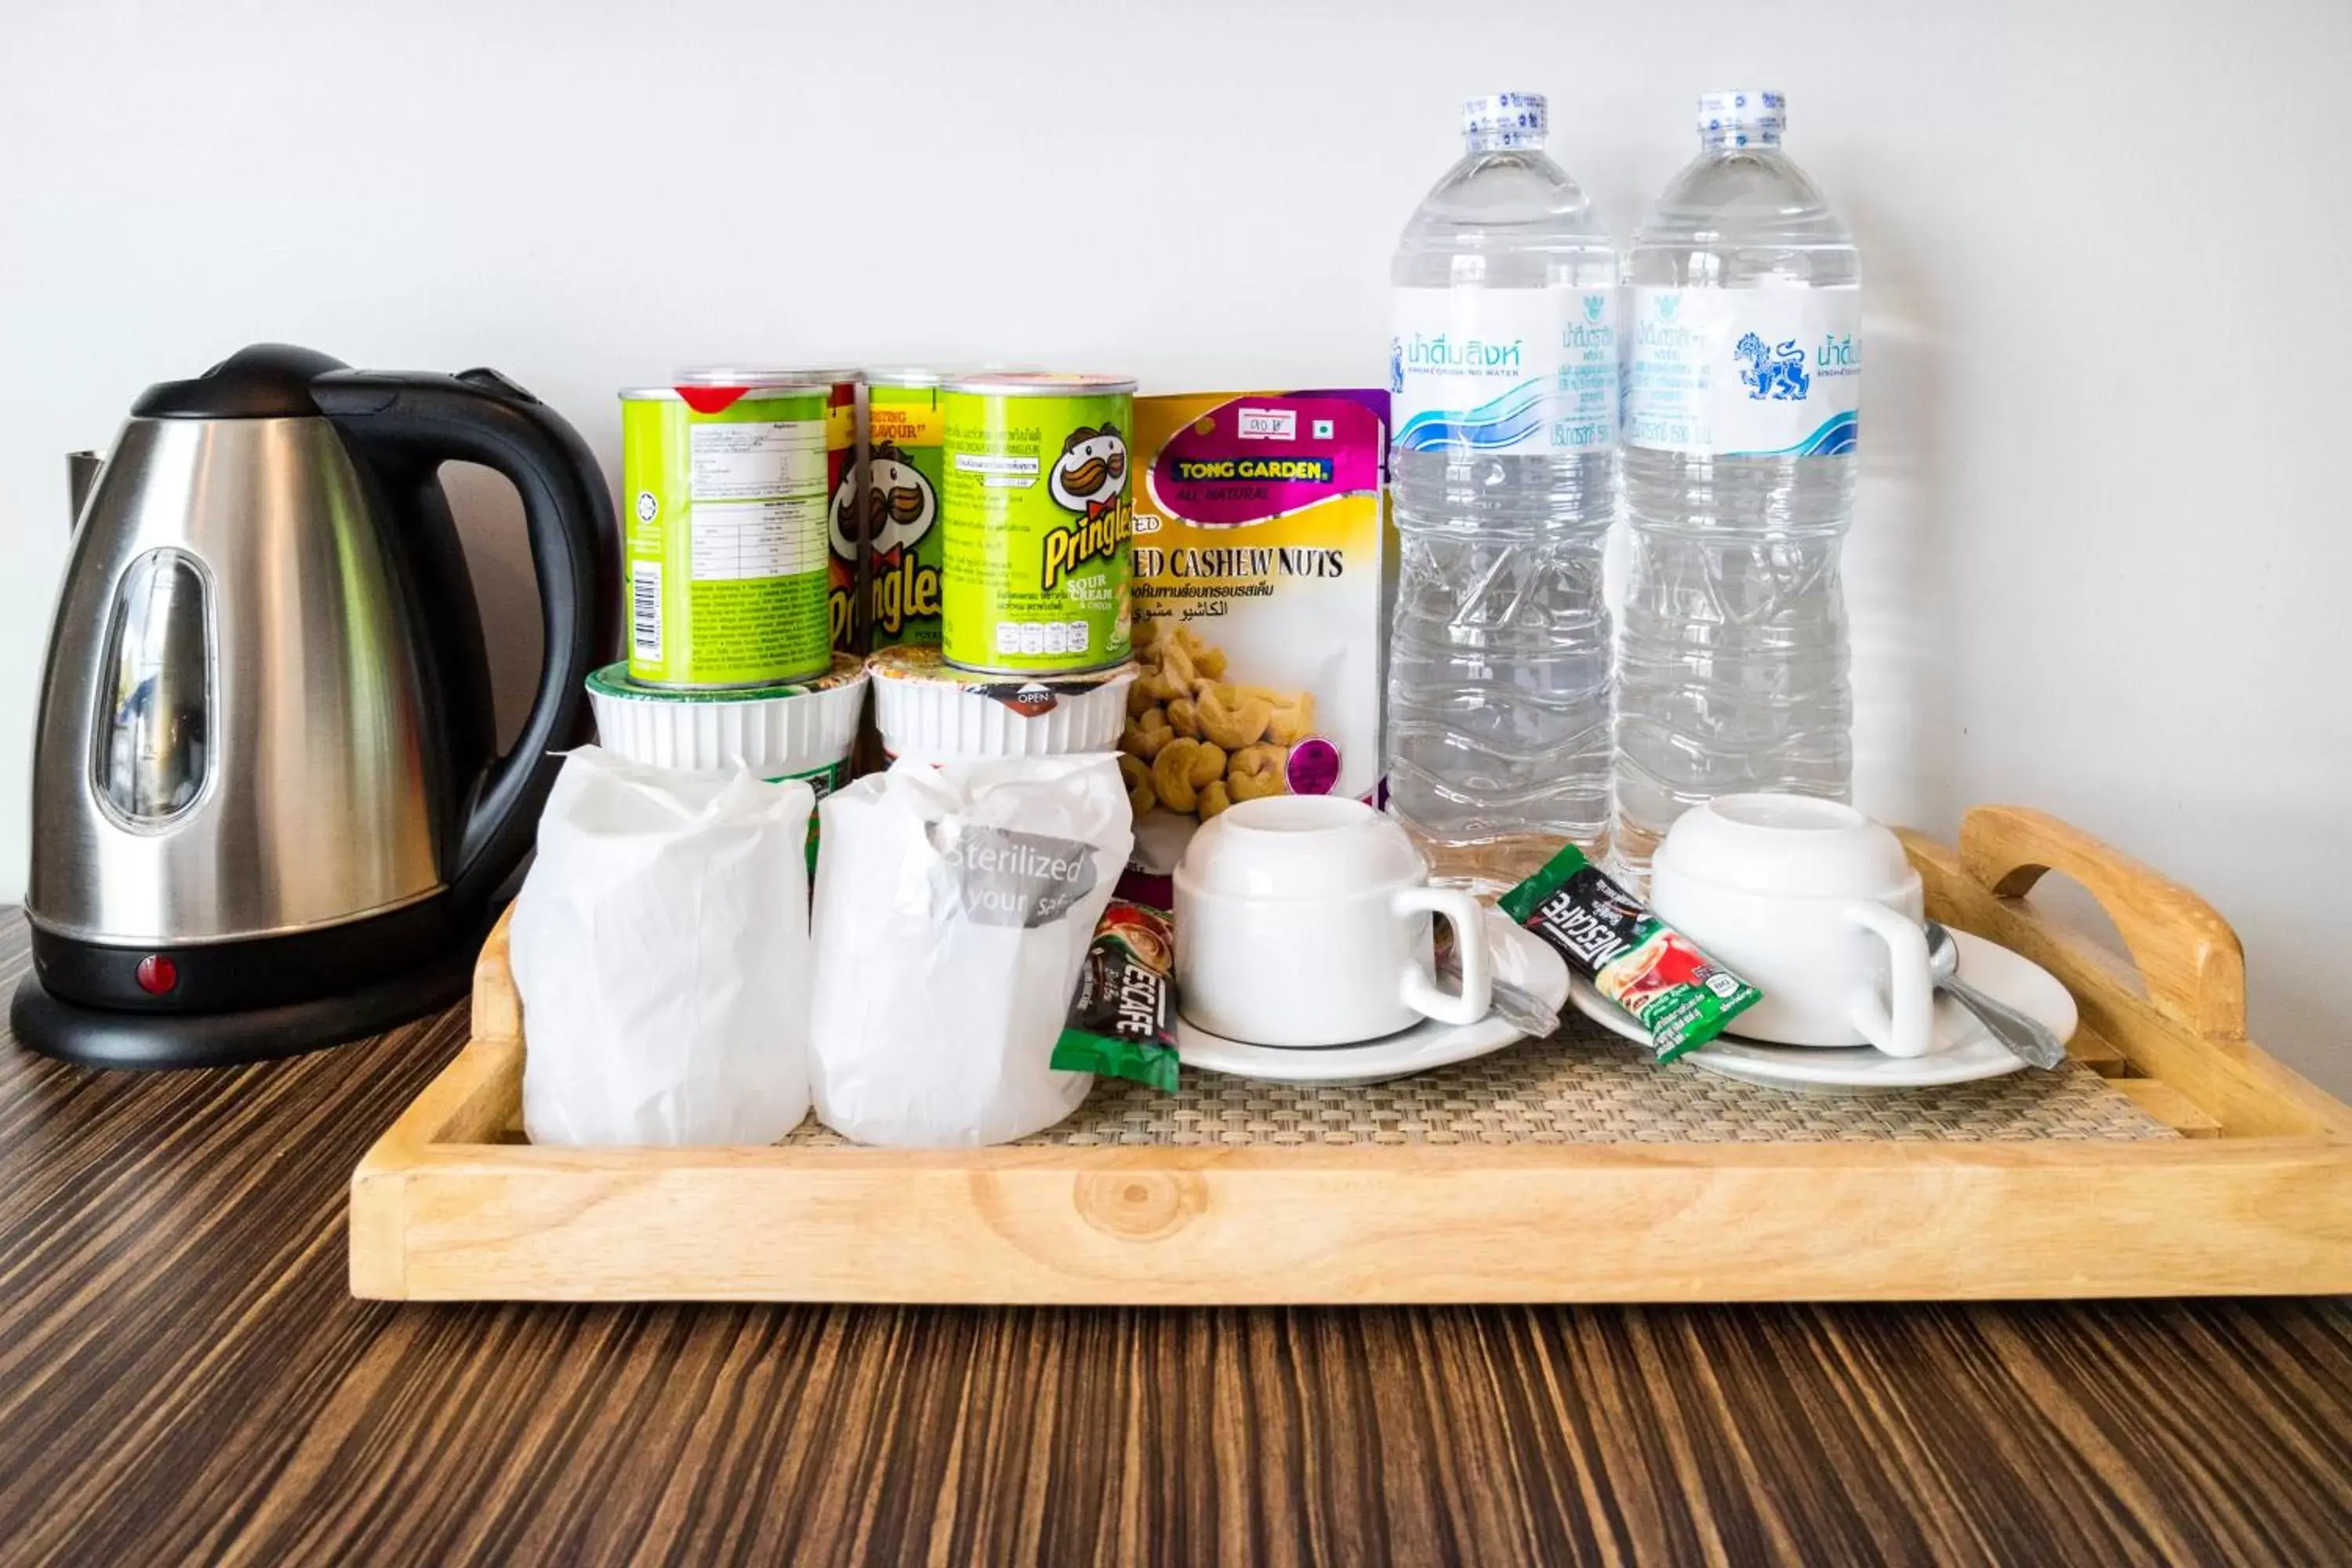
(1746, 372)
(1505, 370)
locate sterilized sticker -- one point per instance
(1002, 876)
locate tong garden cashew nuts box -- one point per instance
(1259, 542)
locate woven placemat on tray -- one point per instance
(1583, 1086)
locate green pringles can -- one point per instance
(724, 484)
(845, 471)
(1038, 517)
(899, 520)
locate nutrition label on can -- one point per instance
(758, 539)
(760, 495)
(1033, 637)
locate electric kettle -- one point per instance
(267, 810)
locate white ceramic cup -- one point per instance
(1305, 921)
(1814, 904)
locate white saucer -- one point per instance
(1964, 1052)
(1520, 958)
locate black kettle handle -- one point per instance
(479, 416)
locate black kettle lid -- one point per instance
(268, 381)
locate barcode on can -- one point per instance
(644, 609)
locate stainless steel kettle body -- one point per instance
(233, 742)
(262, 767)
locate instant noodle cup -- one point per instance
(925, 708)
(802, 731)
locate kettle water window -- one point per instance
(153, 695)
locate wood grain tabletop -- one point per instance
(184, 1378)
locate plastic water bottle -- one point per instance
(1745, 299)
(1503, 369)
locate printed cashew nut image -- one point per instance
(1194, 743)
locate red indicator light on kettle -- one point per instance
(157, 974)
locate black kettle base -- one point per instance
(103, 1038)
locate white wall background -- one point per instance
(2101, 556)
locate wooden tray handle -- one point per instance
(2189, 957)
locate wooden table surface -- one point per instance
(184, 1377)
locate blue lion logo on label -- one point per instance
(1396, 367)
(1593, 305)
(1667, 305)
(1778, 372)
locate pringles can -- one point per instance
(724, 480)
(1038, 513)
(901, 521)
(844, 444)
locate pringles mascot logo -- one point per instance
(900, 507)
(1089, 479)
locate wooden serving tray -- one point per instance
(2241, 1183)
